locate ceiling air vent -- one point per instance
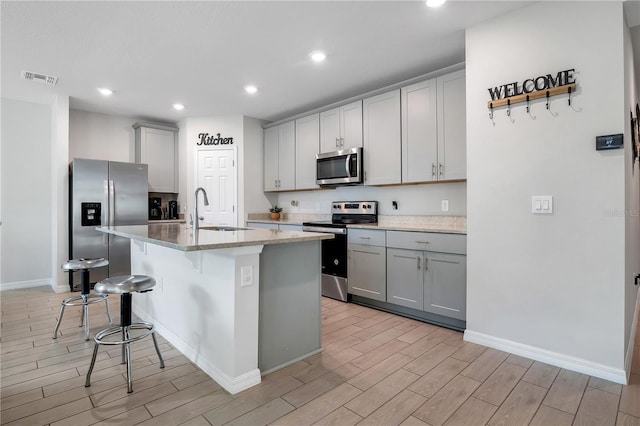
(42, 78)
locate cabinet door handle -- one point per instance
(422, 242)
(418, 262)
(433, 170)
(365, 238)
(337, 142)
(426, 263)
(441, 169)
(341, 142)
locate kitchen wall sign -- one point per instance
(207, 139)
(543, 86)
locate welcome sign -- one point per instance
(530, 85)
(547, 85)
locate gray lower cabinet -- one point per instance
(366, 271)
(445, 284)
(405, 278)
(430, 281)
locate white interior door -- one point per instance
(216, 174)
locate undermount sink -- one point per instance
(222, 228)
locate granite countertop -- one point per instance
(181, 237)
(441, 224)
(152, 222)
(410, 227)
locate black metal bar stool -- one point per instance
(124, 285)
(86, 298)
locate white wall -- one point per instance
(550, 286)
(190, 128)
(252, 170)
(26, 194)
(101, 136)
(632, 201)
(412, 200)
(59, 192)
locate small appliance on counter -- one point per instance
(155, 208)
(173, 210)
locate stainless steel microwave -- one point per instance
(339, 167)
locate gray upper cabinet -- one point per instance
(434, 129)
(419, 132)
(341, 128)
(382, 146)
(157, 146)
(307, 146)
(279, 157)
(452, 129)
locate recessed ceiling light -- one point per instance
(318, 56)
(435, 3)
(105, 91)
(250, 89)
(179, 107)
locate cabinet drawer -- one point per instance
(367, 237)
(428, 241)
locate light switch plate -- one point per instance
(445, 205)
(542, 204)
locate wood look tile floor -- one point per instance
(376, 369)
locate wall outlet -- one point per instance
(445, 205)
(246, 276)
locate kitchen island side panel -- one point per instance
(290, 315)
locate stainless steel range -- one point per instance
(334, 252)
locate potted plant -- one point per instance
(275, 212)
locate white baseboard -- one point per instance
(554, 358)
(25, 284)
(632, 338)
(232, 385)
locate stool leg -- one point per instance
(155, 343)
(128, 351)
(106, 302)
(87, 383)
(85, 310)
(55, 332)
(81, 317)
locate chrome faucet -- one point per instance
(195, 220)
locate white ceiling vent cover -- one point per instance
(42, 78)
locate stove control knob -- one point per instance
(368, 206)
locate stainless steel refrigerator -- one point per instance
(104, 193)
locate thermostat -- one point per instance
(609, 142)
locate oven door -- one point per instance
(334, 262)
(339, 167)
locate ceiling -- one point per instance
(201, 54)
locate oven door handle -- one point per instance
(339, 231)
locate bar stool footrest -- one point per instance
(118, 330)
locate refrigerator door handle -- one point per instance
(105, 236)
(112, 203)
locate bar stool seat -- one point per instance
(86, 298)
(124, 285)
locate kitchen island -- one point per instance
(237, 302)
